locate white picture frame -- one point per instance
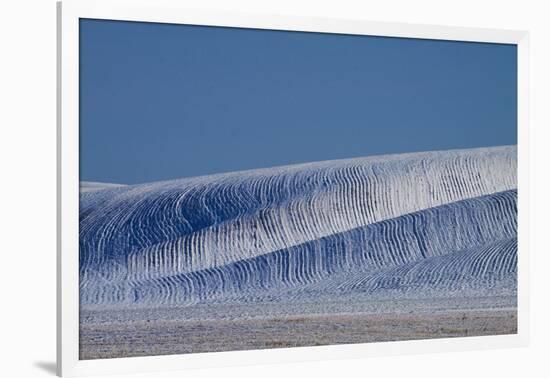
(170, 11)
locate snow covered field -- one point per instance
(432, 235)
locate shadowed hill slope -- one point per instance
(386, 224)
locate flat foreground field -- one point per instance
(178, 336)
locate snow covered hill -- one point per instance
(410, 225)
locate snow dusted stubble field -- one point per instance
(381, 248)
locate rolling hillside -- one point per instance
(422, 225)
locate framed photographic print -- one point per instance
(283, 188)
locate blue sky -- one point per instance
(161, 101)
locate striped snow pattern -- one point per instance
(283, 232)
